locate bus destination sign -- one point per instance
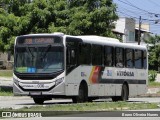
(38, 41)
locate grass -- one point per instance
(153, 84)
(95, 106)
(6, 73)
(6, 91)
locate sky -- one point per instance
(149, 10)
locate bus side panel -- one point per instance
(109, 90)
(137, 89)
(133, 90)
(118, 89)
(74, 78)
(94, 90)
(107, 82)
(90, 74)
(71, 89)
(101, 89)
(142, 89)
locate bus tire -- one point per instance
(90, 99)
(124, 93)
(38, 100)
(82, 94)
(116, 98)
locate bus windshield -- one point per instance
(39, 59)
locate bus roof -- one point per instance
(93, 39)
(109, 41)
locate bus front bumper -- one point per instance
(57, 90)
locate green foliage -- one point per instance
(154, 52)
(153, 40)
(6, 91)
(6, 73)
(152, 75)
(153, 84)
(76, 17)
(82, 108)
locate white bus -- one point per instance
(83, 68)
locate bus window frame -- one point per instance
(130, 59)
(101, 64)
(116, 64)
(112, 53)
(80, 47)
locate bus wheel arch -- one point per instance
(82, 93)
(125, 91)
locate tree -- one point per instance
(92, 17)
(75, 17)
(154, 52)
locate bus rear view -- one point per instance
(39, 66)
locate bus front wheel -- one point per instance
(82, 94)
(38, 100)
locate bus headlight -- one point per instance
(59, 81)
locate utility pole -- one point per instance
(139, 31)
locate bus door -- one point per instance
(71, 53)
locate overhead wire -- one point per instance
(136, 17)
(133, 9)
(132, 5)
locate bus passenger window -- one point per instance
(138, 59)
(129, 58)
(108, 56)
(84, 54)
(119, 57)
(97, 55)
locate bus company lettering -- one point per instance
(125, 73)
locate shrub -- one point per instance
(152, 75)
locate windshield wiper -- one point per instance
(46, 51)
(29, 51)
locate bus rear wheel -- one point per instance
(116, 98)
(82, 94)
(39, 100)
(124, 93)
